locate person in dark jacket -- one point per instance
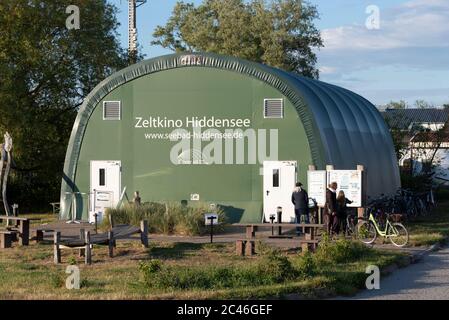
(342, 208)
(300, 199)
(330, 209)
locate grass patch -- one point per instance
(42, 255)
(431, 229)
(190, 271)
(338, 266)
(170, 218)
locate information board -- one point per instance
(316, 186)
(350, 181)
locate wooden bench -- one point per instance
(86, 241)
(310, 230)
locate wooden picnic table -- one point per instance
(310, 240)
(22, 227)
(86, 241)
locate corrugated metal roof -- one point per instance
(403, 118)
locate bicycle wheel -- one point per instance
(366, 232)
(349, 226)
(398, 234)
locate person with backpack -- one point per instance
(300, 200)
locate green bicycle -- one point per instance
(367, 231)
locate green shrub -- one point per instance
(272, 268)
(305, 265)
(275, 267)
(170, 218)
(340, 251)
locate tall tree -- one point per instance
(279, 33)
(45, 72)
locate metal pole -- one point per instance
(132, 29)
(211, 229)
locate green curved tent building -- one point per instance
(201, 127)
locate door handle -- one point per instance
(268, 192)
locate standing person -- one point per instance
(330, 210)
(342, 203)
(300, 199)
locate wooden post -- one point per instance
(39, 235)
(24, 229)
(361, 210)
(111, 243)
(249, 248)
(111, 220)
(56, 248)
(310, 234)
(251, 232)
(82, 252)
(304, 247)
(5, 240)
(88, 257)
(144, 233)
(240, 247)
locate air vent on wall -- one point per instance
(112, 110)
(273, 108)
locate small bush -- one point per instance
(275, 267)
(340, 251)
(272, 268)
(171, 218)
(305, 265)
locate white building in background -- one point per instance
(423, 142)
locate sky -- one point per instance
(407, 58)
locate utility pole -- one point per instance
(132, 29)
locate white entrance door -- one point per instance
(105, 179)
(279, 179)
